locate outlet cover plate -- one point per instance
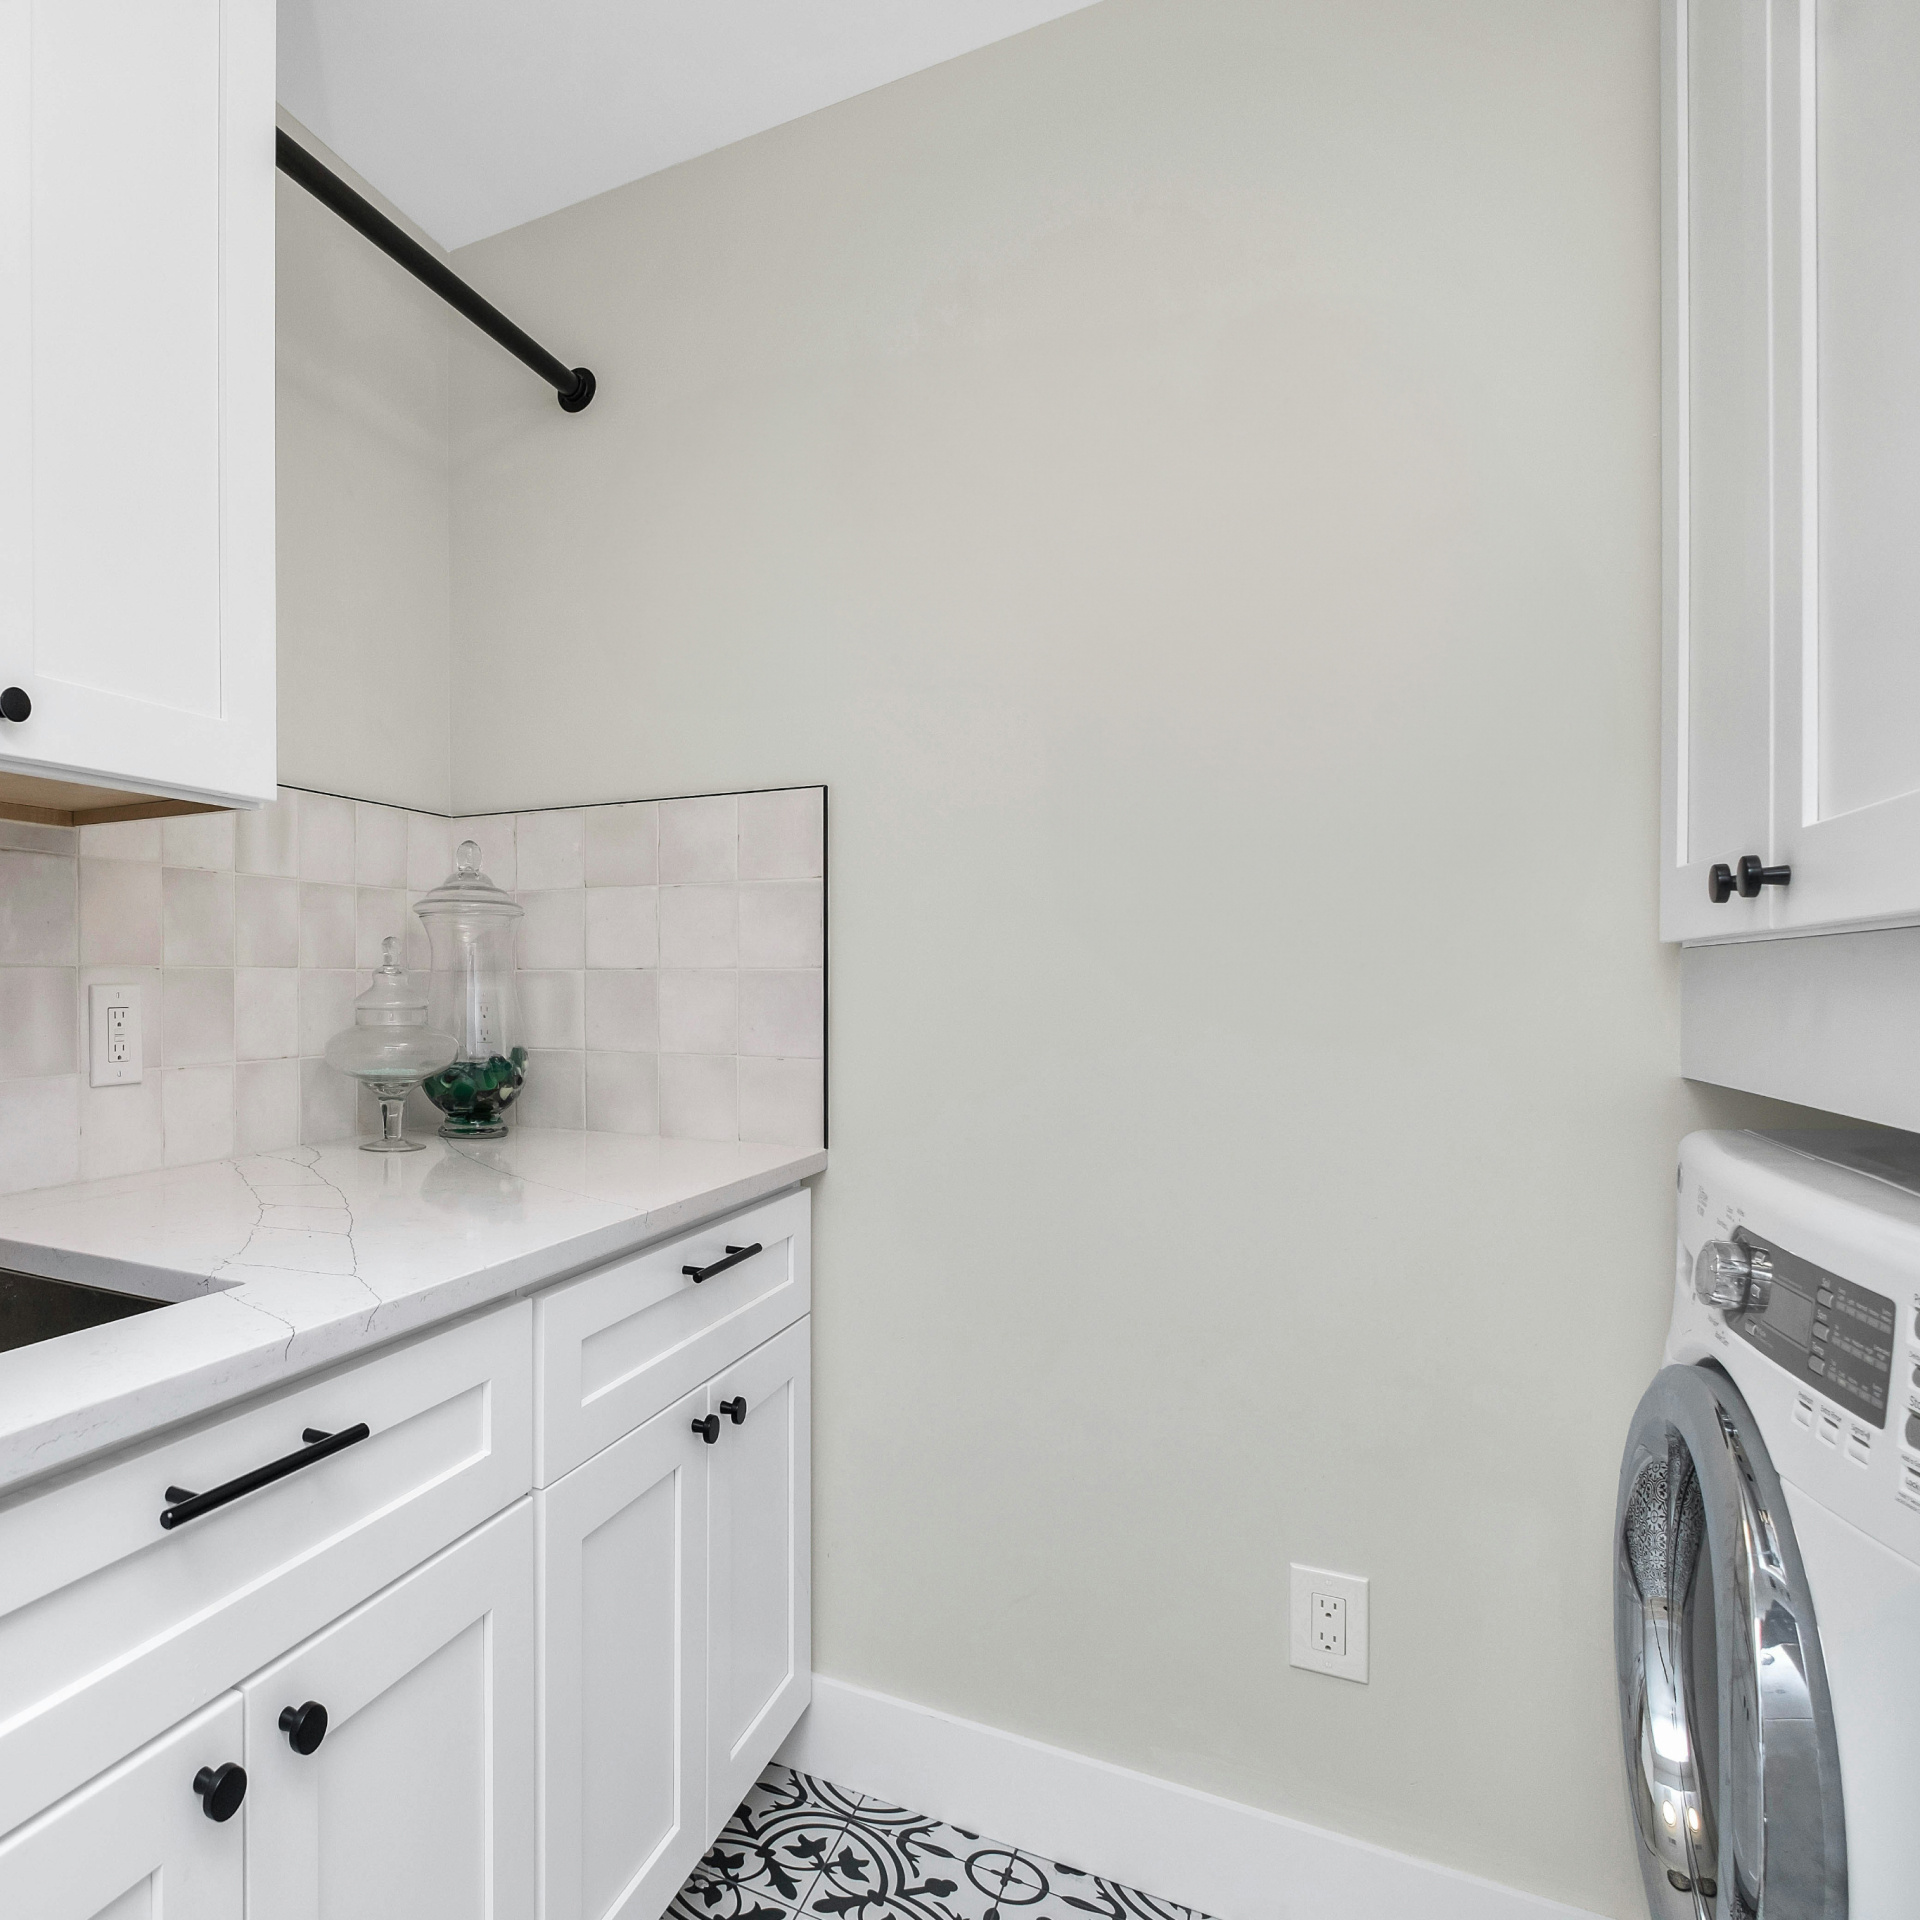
(115, 1045)
(1352, 1588)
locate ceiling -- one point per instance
(474, 115)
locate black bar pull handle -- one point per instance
(183, 1506)
(574, 384)
(734, 1256)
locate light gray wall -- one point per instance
(362, 483)
(1187, 478)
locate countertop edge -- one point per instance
(240, 1348)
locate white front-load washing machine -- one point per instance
(1767, 1541)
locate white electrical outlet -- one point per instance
(113, 1035)
(1329, 1622)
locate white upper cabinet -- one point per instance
(136, 422)
(1792, 429)
(1716, 437)
(1847, 780)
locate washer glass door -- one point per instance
(1732, 1768)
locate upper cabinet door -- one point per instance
(1847, 676)
(1717, 415)
(136, 419)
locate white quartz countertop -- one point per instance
(283, 1262)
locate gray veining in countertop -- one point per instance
(288, 1261)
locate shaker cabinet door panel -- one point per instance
(1792, 463)
(1847, 792)
(759, 1673)
(623, 1572)
(136, 422)
(1718, 408)
(136, 1844)
(418, 1799)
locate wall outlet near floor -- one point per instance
(1329, 1623)
(113, 1035)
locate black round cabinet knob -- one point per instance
(735, 1410)
(1720, 884)
(14, 704)
(1754, 875)
(708, 1429)
(221, 1789)
(305, 1727)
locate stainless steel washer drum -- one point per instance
(1732, 1768)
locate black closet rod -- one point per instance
(575, 384)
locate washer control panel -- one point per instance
(1799, 1277)
(1825, 1330)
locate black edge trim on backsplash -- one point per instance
(559, 806)
(826, 962)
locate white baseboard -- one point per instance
(1227, 1860)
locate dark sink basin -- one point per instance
(32, 1308)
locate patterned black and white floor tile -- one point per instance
(802, 1847)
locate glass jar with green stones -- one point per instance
(470, 924)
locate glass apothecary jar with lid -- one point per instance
(390, 1048)
(470, 926)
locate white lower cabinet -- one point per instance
(136, 1844)
(623, 1639)
(674, 1631)
(417, 1802)
(759, 1657)
(114, 1628)
(495, 1704)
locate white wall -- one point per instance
(1187, 478)
(363, 510)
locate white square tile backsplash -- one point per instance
(379, 846)
(700, 840)
(782, 835)
(553, 929)
(623, 1010)
(196, 918)
(699, 1010)
(623, 845)
(266, 920)
(699, 926)
(623, 926)
(673, 970)
(325, 838)
(550, 849)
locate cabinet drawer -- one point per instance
(614, 1347)
(112, 1629)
